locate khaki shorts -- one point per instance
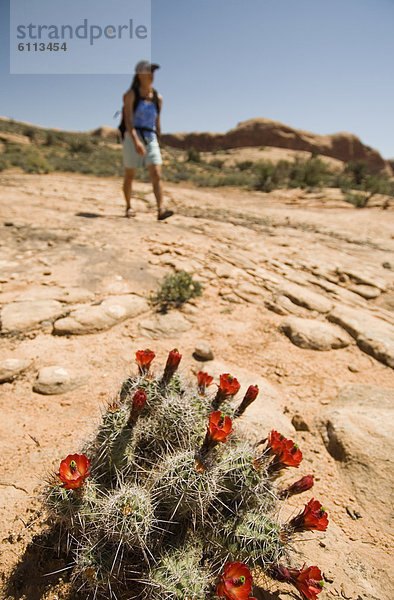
(132, 160)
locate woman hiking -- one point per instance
(141, 127)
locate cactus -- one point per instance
(167, 493)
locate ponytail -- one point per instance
(135, 83)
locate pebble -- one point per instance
(56, 379)
(10, 368)
(299, 423)
(203, 351)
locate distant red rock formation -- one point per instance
(264, 132)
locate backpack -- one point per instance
(122, 125)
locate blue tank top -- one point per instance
(145, 116)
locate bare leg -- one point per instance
(155, 175)
(127, 186)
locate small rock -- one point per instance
(353, 369)
(203, 351)
(56, 380)
(312, 334)
(225, 271)
(299, 423)
(11, 368)
(387, 265)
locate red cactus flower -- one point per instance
(250, 396)
(287, 453)
(275, 440)
(139, 401)
(227, 388)
(229, 385)
(73, 471)
(144, 359)
(220, 426)
(302, 485)
(308, 581)
(236, 581)
(173, 360)
(203, 381)
(313, 516)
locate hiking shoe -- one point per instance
(130, 213)
(165, 214)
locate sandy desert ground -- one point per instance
(298, 296)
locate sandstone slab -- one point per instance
(72, 295)
(11, 368)
(248, 292)
(305, 297)
(167, 325)
(22, 316)
(282, 305)
(373, 336)
(57, 380)
(366, 291)
(313, 334)
(358, 432)
(90, 319)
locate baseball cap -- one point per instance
(144, 66)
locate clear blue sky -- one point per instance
(320, 65)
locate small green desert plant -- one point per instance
(80, 144)
(244, 165)
(175, 290)
(169, 502)
(35, 162)
(193, 155)
(265, 176)
(358, 199)
(217, 163)
(3, 162)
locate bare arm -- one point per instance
(158, 124)
(128, 116)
